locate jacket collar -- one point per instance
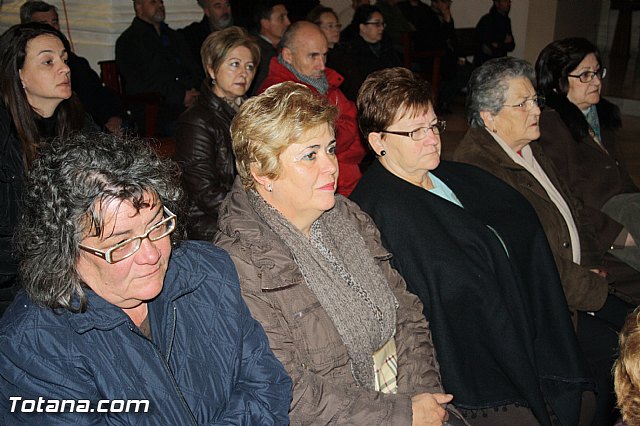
(482, 140)
(267, 252)
(102, 315)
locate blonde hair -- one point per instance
(626, 370)
(218, 44)
(267, 124)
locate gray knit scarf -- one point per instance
(344, 277)
(320, 84)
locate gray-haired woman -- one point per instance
(503, 110)
(114, 309)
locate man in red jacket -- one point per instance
(304, 53)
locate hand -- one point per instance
(190, 97)
(630, 242)
(428, 409)
(508, 39)
(601, 272)
(114, 125)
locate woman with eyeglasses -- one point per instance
(577, 133)
(115, 309)
(369, 50)
(503, 110)
(472, 249)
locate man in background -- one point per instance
(217, 16)
(493, 35)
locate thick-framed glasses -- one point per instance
(129, 247)
(421, 132)
(587, 76)
(336, 26)
(527, 104)
(377, 24)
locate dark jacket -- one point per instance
(157, 63)
(303, 336)
(349, 148)
(12, 177)
(584, 290)
(490, 34)
(208, 361)
(593, 174)
(361, 59)
(194, 34)
(267, 51)
(205, 154)
(499, 319)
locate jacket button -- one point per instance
(566, 244)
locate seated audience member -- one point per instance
(203, 142)
(626, 372)
(345, 16)
(36, 103)
(493, 35)
(114, 308)
(327, 20)
(217, 16)
(579, 137)
(101, 103)
(503, 111)
(370, 50)
(302, 60)
(154, 58)
(471, 248)
(271, 19)
(314, 273)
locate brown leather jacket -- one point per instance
(303, 336)
(584, 290)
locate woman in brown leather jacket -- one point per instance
(203, 143)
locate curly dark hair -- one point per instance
(69, 182)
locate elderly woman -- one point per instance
(36, 103)
(116, 310)
(314, 273)
(369, 50)
(472, 249)
(578, 136)
(203, 142)
(503, 110)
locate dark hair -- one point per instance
(363, 14)
(558, 59)
(13, 51)
(66, 187)
(31, 7)
(489, 83)
(388, 93)
(315, 13)
(263, 9)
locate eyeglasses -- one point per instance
(587, 76)
(527, 104)
(129, 247)
(331, 26)
(421, 132)
(378, 24)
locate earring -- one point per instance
(213, 81)
(383, 153)
(494, 130)
(269, 187)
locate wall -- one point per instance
(95, 25)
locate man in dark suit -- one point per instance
(217, 16)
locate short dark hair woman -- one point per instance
(472, 249)
(115, 309)
(578, 134)
(36, 103)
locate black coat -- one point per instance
(195, 34)
(500, 323)
(203, 150)
(489, 38)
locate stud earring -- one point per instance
(383, 153)
(269, 187)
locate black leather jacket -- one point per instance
(203, 150)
